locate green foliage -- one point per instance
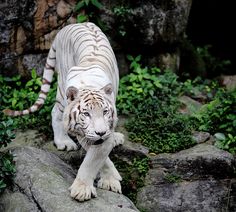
(198, 88)
(18, 97)
(87, 10)
(218, 117)
(172, 178)
(7, 170)
(219, 114)
(121, 13)
(212, 63)
(137, 86)
(6, 132)
(152, 98)
(133, 176)
(227, 142)
(7, 167)
(159, 127)
(13, 95)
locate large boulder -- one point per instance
(151, 28)
(201, 178)
(27, 29)
(41, 184)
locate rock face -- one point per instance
(198, 179)
(149, 28)
(41, 184)
(27, 30)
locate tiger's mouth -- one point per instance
(99, 141)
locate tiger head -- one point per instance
(90, 113)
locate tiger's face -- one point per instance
(90, 114)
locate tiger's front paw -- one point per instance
(66, 144)
(119, 138)
(110, 183)
(80, 191)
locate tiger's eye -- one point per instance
(86, 114)
(105, 112)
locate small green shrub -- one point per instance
(152, 97)
(7, 167)
(219, 117)
(87, 11)
(160, 127)
(226, 142)
(17, 95)
(137, 86)
(133, 176)
(121, 13)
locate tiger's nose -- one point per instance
(100, 133)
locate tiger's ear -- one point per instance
(107, 89)
(71, 93)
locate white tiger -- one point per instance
(85, 103)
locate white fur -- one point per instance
(85, 60)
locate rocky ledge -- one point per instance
(41, 184)
(200, 179)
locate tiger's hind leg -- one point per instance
(61, 138)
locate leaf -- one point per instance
(86, 2)
(82, 18)
(138, 58)
(79, 5)
(33, 74)
(13, 103)
(29, 83)
(220, 136)
(38, 81)
(130, 58)
(97, 4)
(158, 84)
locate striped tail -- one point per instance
(47, 79)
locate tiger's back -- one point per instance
(81, 45)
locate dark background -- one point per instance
(213, 22)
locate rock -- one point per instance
(201, 137)
(41, 184)
(38, 61)
(202, 195)
(228, 81)
(129, 150)
(153, 29)
(189, 105)
(150, 28)
(30, 26)
(197, 179)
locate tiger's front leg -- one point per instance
(61, 138)
(109, 176)
(82, 188)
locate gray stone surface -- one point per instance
(201, 178)
(41, 184)
(151, 29)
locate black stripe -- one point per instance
(46, 82)
(59, 88)
(43, 92)
(47, 66)
(57, 101)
